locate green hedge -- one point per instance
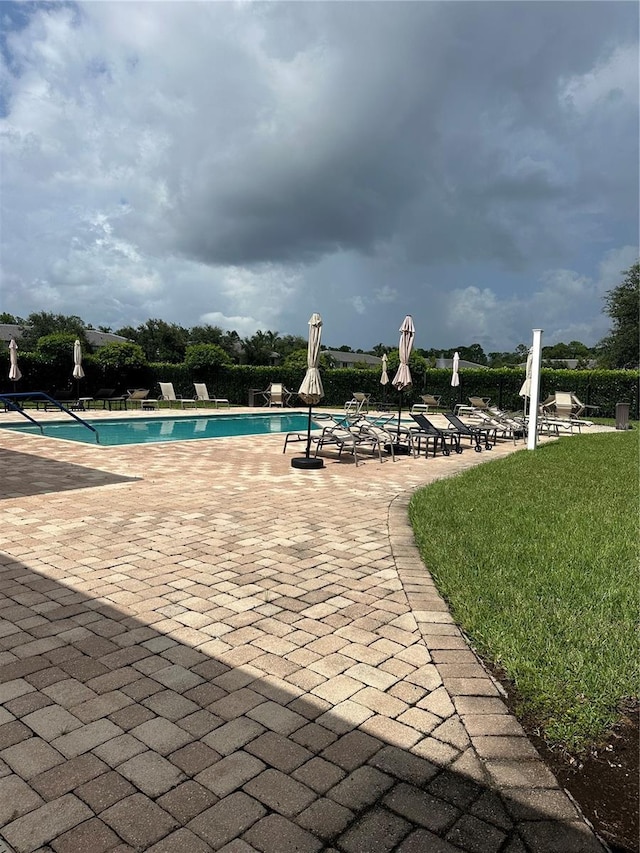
(602, 388)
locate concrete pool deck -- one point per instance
(202, 648)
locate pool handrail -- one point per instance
(7, 399)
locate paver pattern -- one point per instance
(204, 649)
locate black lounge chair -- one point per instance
(445, 439)
(477, 435)
(107, 397)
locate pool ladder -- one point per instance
(8, 401)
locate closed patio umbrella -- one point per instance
(78, 372)
(455, 378)
(14, 370)
(402, 379)
(384, 376)
(311, 390)
(525, 389)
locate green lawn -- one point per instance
(537, 555)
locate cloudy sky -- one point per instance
(474, 164)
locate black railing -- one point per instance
(8, 400)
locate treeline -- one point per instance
(159, 341)
(165, 342)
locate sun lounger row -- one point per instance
(386, 437)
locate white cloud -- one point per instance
(257, 162)
(615, 77)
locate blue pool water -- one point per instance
(151, 430)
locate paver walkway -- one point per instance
(204, 649)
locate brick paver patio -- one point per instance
(203, 649)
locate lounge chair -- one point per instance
(140, 396)
(167, 393)
(516, 422)
(444, 439)
(580, 406)
(477, 435)
(277, 395)
(397, 436)
(503, 427)
(203, 394)
(475, 404)
(560, 412)
(428, 401)
(108, 397)
(343, 434)
(358, 403)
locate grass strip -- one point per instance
(537, 556)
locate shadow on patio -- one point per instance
(112, 733)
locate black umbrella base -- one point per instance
(307, 463)
(398, 449)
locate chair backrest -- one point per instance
(455, 421)
(479, 402)
(430, 400)
(425, 424)
(138, 394)
(201, 391)
(166, 389)
(361, 401)
(563, 404)
(276, 392)
(104, 393)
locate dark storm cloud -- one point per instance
(442, 115)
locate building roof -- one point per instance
(348, 359)
(94, 337)
(447, 364)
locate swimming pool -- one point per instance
(122, 431)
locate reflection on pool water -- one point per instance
(151, 430)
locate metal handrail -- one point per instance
(7, 399)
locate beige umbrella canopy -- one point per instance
(455, 379)
(78, 372)
(384, 376)
(311, 390)
(403, 379)
(14, 370)
(525, 389)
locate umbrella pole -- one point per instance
(399, 448)
(308, 450)
(307, 461)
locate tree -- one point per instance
(298, 359)
(206, 335)
(121, 356)
(57, 347)
(43, 324)
(258, 348)
(199, 357)
(474, 353)
(290, 343)
(620, 348)
(160, 341)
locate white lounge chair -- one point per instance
(428, 401)
(167, 393)
(358, 404)
(203, 394)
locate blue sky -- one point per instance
(474, 164)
